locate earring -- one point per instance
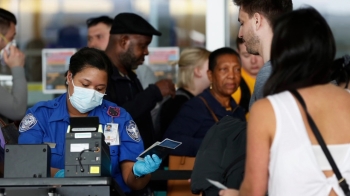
(211, 86)
(66, 82)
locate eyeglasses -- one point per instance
(4, 38)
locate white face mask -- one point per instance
(7, 48)
(84, 99)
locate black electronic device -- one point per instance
(86, 152)
(84, 124)
(27, 161)
(88, 156)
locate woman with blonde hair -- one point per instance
(192, 79)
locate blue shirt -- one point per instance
(260, 81)
(47, 122)
(194, 120)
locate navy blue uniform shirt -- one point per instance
(47, 122)
(194, 120)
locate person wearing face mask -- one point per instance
(47, 122)
(13, 104)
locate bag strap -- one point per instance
(210, 110)
(2, 122)
(342, 182)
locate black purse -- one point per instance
(342, 182)
(9, 131)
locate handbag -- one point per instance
(210, 110)
(180, 187)
(183, 187)
(8, 135)
(341, 181)
(9, 131)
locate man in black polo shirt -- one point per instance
(128, 43)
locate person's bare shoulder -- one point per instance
(262, 119)
(262, 106)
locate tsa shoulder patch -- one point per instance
(28, 122)
(133, 131)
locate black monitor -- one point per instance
(84, 124)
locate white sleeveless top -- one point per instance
(294, 169)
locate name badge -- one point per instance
(111, 133)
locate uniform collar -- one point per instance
(61, 111)
(102, 107)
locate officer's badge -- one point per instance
(28, 122)
(133, 131)
(113, 111)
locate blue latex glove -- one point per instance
(59, 174)
(148, 165)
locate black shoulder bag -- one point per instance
(342, 182)
(9, 131)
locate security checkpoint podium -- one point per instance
(86, 169)
(86, 186)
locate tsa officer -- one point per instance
(47, 121)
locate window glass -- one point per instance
(62, 24)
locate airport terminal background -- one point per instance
(183, 23)
(62, 24)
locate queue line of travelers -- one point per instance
(107, 74)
